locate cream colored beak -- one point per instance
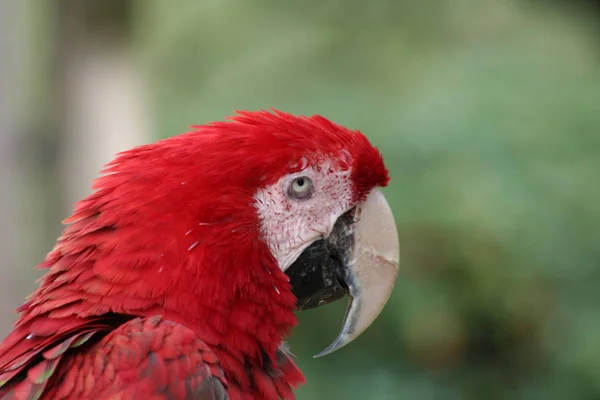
(372, 269)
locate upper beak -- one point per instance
(360, 257)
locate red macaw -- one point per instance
(179, 276)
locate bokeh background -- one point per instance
(487, 113)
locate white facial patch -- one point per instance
(289, 225)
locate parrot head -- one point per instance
(230, 228)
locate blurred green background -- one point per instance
(488, 116)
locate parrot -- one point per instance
(180, 276)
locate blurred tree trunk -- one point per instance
(95, 109)
(8, 141)
(101, 90)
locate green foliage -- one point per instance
(488, 115)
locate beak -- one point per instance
(359, 258)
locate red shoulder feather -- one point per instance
(148, 358)
(28, 361)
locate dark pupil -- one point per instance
(300, 182)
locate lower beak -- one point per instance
(359, 258)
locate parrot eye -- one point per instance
(301, 188)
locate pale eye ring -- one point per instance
(301, 188)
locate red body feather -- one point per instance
(171, 231)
